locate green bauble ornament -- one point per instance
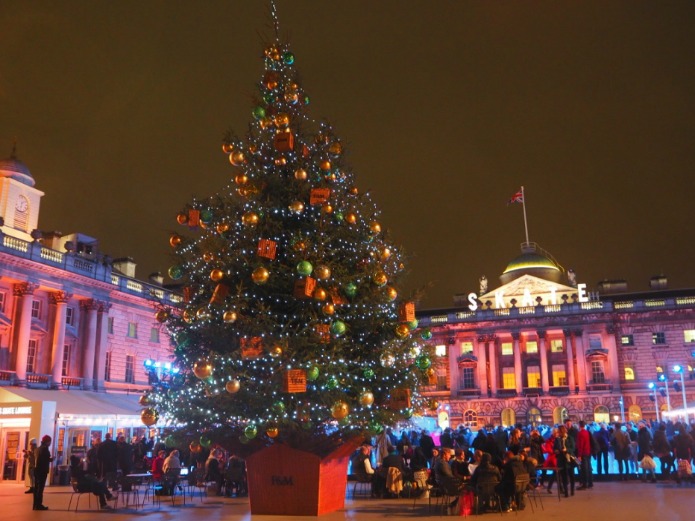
(288, 58)
(206, 216)
(269, 98)
(258, 113)
(426, 334)
(423, 362)
(170, 441)
(332, 382)
(243, 439)
(205, 440)
(175, 272)
(412, 324)
(375, 427)
(407, 413)
(305, 268)
(279, 407)
(250, 431)
(368, 373)
(313, 373)
(338, 327)
(306, 100)
(350, 289)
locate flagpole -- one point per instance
(523, 203)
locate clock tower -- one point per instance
(19, 200)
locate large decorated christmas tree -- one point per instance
(291, 327)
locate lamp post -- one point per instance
(653, 388)
(679, 369)
(622, 409)
(668, 396)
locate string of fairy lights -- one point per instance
(288, 280)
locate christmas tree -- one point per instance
(291, 327)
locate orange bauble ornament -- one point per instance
(351, 217)
(375, 227)
(391, 293)
(241, 179)
(182, 218)
(320, 294)
(260, 275)
(175, 240)
(202, 369)
(161, 316)
(229, 317)
(402, 330)
(328, 308)
(322, 272)
(233, 386)
(250, 218)
(237, 158)
(222, 228)
(340, 410)
(272, 432)
(300, 174)
(366, 398)
(380, 278)
(149, 416)
(325, 165)
(216, 275)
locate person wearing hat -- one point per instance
(43, 466)
(30, 458)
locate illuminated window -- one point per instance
(35, 309)
(688, 334)
(508, 378)
(107, 368)
(557, 345)
(65, 371)
(658, 338)
(441, 378)
(531, 347)
(470, 418)
(627, 340)
(559, 375)
(533, 374)
(130, 369)
(154, 335)
(634, 412)
(466, 348)
(508, 417)
(560, 414)
(534, 416)
(440, 350)
(601, 414)
(31, 356)
(132, 329)
(468, 378)
(507, 348)
(629, 373)
(597, 374)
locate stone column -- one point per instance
(571, 382)
(545, 381)
(60, 299)
(517, 363)
(90, 307)
(611, 345)
(494, 370)
(581, 359)
(102, 344)
(482, 365)
(24, 293)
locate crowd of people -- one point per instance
(572, 456)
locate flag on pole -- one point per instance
(516, 198)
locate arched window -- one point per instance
(629, 373)
(443, 420)
(634, 413)
(560, 414)
(533, 416)
(602, 414)
(508, 417)
(470, 418)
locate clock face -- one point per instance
(22, 204)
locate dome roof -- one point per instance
(15, 169)
(532, 261)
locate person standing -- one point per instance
(621, 447)
(43, 466)
(124, 455)
(586, 479)
(603, 440)
(107, 455)
(30, 455)
(564, 451)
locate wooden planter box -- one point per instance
(290, 482)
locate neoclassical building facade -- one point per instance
(76, 329)
(541, 347)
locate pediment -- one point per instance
(525, 291)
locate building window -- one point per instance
(154, 334)
(110, 325)
(533, 374)
(629, 373)
(470, 418)
(559, 375)
(65, 371)
(70, 316)
(532, 347)
(107, 368)
(627, 340)
(35, 309)
(31, 356)
(534, 416)
(507, 348)
(556, 345)
(130, 369)
(508, 378)
(595, 342)
(466, 348)
(597, 374)
(658, 338)
(602, 414)
(688, 334)
(441, 378)
(440, 350)
(132, 329)
(508, 417)
(634, 412)
(560, 414)
(2, 301)
(468, 378)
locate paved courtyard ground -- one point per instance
(613, 501)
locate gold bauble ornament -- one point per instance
(328, 308)
(340, 410)
(260, 275)
(272, 432)
(237, 158)
(144, 400)
(216, 275)
(229, 316)
(300, 174)
(250, 218)
(385, 253)
(354, 190)
(202, 369)
(325, 165)
(282, 119)
(188, 316)
(208, 256)
(227, 148)
(327, 209)
(402, 330)
(351, 217)
(182, 218)
(161, 315)
(366, 398)
(275, 351)
(149, 416)
(265, 123)
(241, 179)
(380, 278)
(320, 294)
(391, 293)
(375, 227)
(433, 405)
(335, 148)
(174, 240)
(233, 386)
(222, 227)
(202, 314)
(322, 272)
(297, 207)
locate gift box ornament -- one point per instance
(319, 195)
(406, 312)
(323, 331)
(304, 287)
(267, 248)
(294, 381)
(284, 141)
(193, 218)
(400, 399)
(251, 347)
(219, 294)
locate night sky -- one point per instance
(445, 108)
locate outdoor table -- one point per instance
(146, 478)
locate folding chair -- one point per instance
(76, 490)
(521, 487)
(486, 493)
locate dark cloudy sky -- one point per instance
(446, 108)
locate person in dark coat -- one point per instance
(513, 468)
(43, 467)
(107, 455)
(124, 455)
(662, 450)
(89, 483)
